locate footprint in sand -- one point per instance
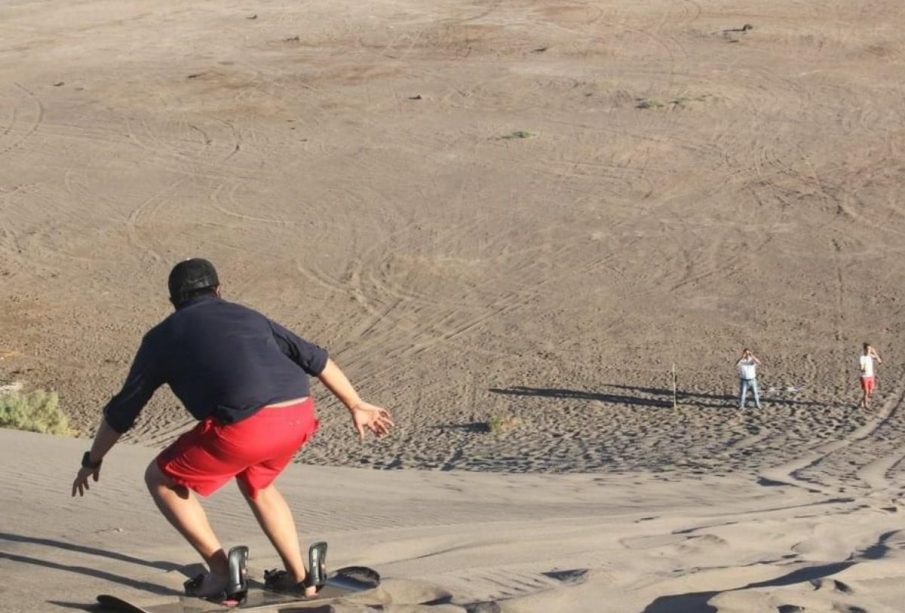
(732, 34)
(410, 592)
(483, 607)
(571, 577)
(832, 584)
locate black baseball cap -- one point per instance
(191, 274)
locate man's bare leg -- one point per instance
(186, 514)
(275, 518)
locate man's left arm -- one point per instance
(365, 416)
(315, 361)
(310, 357)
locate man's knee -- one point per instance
(255, 496)
(245, 489)
(156, 480)
(153, 475)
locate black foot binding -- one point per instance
(317, 565)
(237, 588)
(237, 581)
(280, 581)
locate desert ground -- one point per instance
(525, 213)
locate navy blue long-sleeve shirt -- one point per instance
(221, 359)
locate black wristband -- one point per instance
(87, 463)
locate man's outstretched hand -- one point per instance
(366, 416)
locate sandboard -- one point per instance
(343, 583)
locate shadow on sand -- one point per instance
(644, 396)
(54, 546)
(697, 602)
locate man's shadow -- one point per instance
(55, 545)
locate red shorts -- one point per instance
(868, 384)
(254, 451)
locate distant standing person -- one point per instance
(747, 378)
(868, 378)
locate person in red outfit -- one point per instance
(245, 378)
(868, 374)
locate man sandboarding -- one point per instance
(245, 378)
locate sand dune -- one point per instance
(460, 541)
(522, 211)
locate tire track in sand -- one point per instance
(33, 121)
(873, 474)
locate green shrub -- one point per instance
(36, 411)
(517, 134)
(498, 424)
(649, 103)
(673, 103)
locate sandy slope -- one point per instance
(484, 208)
(517, 543)
(355, 172)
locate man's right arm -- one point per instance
(104, 439)
(120, 413)
(143, 380)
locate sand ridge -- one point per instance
(459, 541)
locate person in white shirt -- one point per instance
(868, 379)
(747, 378)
